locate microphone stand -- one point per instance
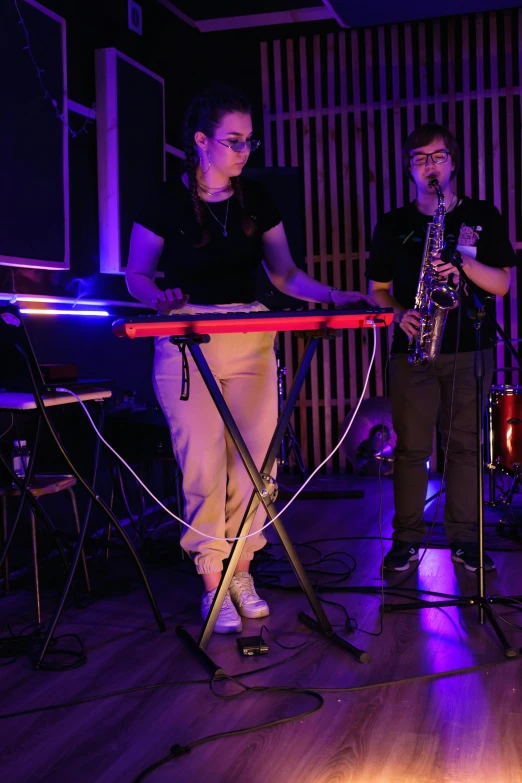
(480, 599)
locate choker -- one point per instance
(216, 191)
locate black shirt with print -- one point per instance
(396, 255)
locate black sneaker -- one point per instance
(400, 556)
(468, 554)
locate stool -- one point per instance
(42, 484)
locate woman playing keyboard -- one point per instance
(213, 230)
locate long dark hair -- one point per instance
(205, 114)
(425, 135)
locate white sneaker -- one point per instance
(245, 598)
(228, 620)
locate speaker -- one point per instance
(286, 188)
(138, 435)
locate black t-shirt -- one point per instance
(223, 271)
(396, 254)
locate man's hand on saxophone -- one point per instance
(409, 322)
(447, 271)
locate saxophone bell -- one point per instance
(445, 297)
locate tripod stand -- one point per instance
(480, 599)
(289, 445)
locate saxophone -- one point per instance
(435, 297)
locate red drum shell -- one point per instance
(506, 423)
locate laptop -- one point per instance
(14, 373)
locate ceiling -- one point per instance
(218, 15)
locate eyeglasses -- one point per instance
(239, 146)
(421, 158)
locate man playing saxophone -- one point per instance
(421, 383)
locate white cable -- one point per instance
(250, 535)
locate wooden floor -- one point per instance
(465, 727)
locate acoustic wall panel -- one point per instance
(130, 120)
(34, 186)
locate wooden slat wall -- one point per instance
(339, 106)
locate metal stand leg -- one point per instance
(36, 570)
(289, 443)
(77, 525)
(321, 623)
(7, 584)
(490, 449)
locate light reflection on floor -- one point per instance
(437, 572)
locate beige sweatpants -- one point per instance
(216, 486)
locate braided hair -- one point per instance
(205, 114)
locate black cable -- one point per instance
(284, 646)
(167, 684)
(419, 678)
(504, 619)
(179, 750)
(47, 96)
(351, 622)
(14, 645)
(17, 645)
(347, 626)
(181, 683)
(370, 590)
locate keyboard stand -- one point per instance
(321, 624)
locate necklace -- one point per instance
(453, 203)
(206, 189)
(223, 225)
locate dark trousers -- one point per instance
(419, 395)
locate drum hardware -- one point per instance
(504, 444)
(289, 445)
(370, 443)
(506, 496)
(504, 501)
